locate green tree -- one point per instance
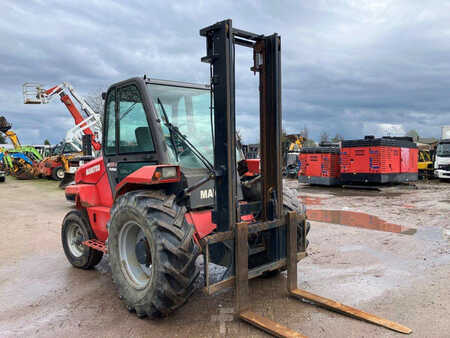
(413, 133)
(47, 142)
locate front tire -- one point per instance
(75, 230)
(152, 253)
(58, 173)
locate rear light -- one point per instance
(165, 173)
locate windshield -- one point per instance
(443, 149)
(58, 149)
(187, 109)
(69, 148)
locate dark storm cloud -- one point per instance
(349, 67)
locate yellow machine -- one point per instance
(23, 160)
(425, 162)
(14, 139)
(296, 142)
(57, 165)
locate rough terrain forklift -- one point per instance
(171, 186)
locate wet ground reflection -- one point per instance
(307, 200)
(357, 219)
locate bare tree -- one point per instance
(239, 138)
(304, 132)
(324, 137)
(307, 142)
(337, 138)
(284, 138)
(96, 101)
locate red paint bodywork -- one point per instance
(92, 193)
(253, 166)
(409, 161)
(379, 160)
(203, 224)
(78, 118)
(145, 176)
(319, 165)
(202, 221)
(47, 165)
(371, 160)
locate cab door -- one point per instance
(128, 141)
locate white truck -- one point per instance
(442, 159)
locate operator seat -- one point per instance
(144, 139)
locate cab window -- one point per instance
(135, 135)
(110, 137)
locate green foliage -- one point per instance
(47, 142)
(414, 134)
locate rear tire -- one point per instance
(2, 179)
(58, 173)
(75, 230)
(158, 279)
(292, 203)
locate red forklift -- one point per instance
(171, 186)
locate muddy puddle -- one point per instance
(357, 219)
(308, 200)
(347, 192)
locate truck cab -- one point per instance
(442, 161)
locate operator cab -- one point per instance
(443, 148)
(140, 118)
(64, 148)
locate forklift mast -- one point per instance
(221, 39)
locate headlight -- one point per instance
(169, 172)
(164, 173)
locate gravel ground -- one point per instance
(401, 275)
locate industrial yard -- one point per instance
(400, 272)
(225, 169)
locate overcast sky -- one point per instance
(350, 67)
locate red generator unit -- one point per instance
(320, 165)
(379, 160)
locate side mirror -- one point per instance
(103, 95)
